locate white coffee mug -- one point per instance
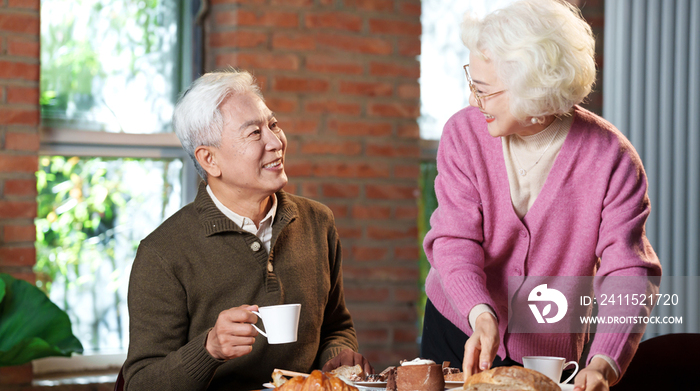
(552, 367)
(281, 322)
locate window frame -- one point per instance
(84, 143)
(63, 141)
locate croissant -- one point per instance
(316, 381)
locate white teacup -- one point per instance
(281, 322)
(552, 367)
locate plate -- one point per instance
(365, 388)
(371, 384)
(376, 386)
(362, 385)
(566, 387)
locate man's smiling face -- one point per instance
(250, 156)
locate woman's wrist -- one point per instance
(602, 366)
(485, 318)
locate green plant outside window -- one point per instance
(92, 213)
(110, 66)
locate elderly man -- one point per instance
(241, 244)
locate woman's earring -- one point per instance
(534, 121)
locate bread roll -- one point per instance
(510, 378)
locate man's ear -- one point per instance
(206, 159)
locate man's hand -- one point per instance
(595, 377)
(233, 334)
(482, 345)
(350, 358)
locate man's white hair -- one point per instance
(197, 119)
(543, 52)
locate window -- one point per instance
(109, 65)
(111, 169)
(444, 91)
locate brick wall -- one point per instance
(19, 134)
(19, 143)
(342, 77)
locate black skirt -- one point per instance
(443, 341)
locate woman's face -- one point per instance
(496, 109)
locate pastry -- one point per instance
(390, 378)
(510, 378)
(278, 378)
(353, 374)
(454, 376)
(451, 374)
(316, 381)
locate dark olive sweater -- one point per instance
(199, 263)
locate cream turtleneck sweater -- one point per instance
(534, 156)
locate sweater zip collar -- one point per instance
(214, 222)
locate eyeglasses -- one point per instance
(479, 98)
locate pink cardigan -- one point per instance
(593, 206)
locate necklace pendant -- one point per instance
(522, 172)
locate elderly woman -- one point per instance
(530, 184)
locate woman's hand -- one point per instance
(597, 376)
(482, 345)
(233, 334)
(350, 358)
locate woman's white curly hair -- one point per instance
(543, 52)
